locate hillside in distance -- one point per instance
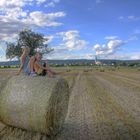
(74, 62)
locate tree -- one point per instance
(28, 38)
(13, 50)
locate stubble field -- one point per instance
(102, 106)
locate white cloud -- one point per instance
(2, 49)
(111, 47)
(52, 3)
(71, 40)
(13, 8)
(14, 18)
(129, 18)
(2, 52)
(111, 37)
(135, 57)
(3, 58)
(68, 46)
(7, 37)
(48, 3)
(133, 18)
(40, 1)
(41, 19)
(48, 39)
(124, 56)
(133, 38)
(65, 56)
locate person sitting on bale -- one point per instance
(24, 59)
(39, 69)
(30, 68)
(42, 70)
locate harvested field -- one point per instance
(103, 106)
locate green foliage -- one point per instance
(13, 51)
(133, 64)
(28, 38)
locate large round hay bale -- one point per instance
(35, 103)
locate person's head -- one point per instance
(38, 56)
(23, 47)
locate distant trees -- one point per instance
(28, 38)
(133, 64)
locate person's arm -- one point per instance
(49, 69)
(38, 66)
(24, 51)
(23, 57)
(21, 66)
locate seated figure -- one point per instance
(36, 68)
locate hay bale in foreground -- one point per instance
(3, 81)
(35, 103)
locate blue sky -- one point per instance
(77, 29)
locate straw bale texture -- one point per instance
(37, 104)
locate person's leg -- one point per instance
(44, 72)
(48, 70)
(31, 66)
(31, 63)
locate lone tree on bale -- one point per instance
(28, 38)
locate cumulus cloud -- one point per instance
(41, 1)
(14, 18)
(48, 39)
(111, 47)
(68, 45)
(52, 3)
(71, 40)
(13, 8)
(41, 19)
(47, 3)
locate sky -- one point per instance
(77, 29)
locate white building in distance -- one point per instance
(96, 61)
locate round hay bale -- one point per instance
(102, 69)
(37, 104)
(68, 70)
